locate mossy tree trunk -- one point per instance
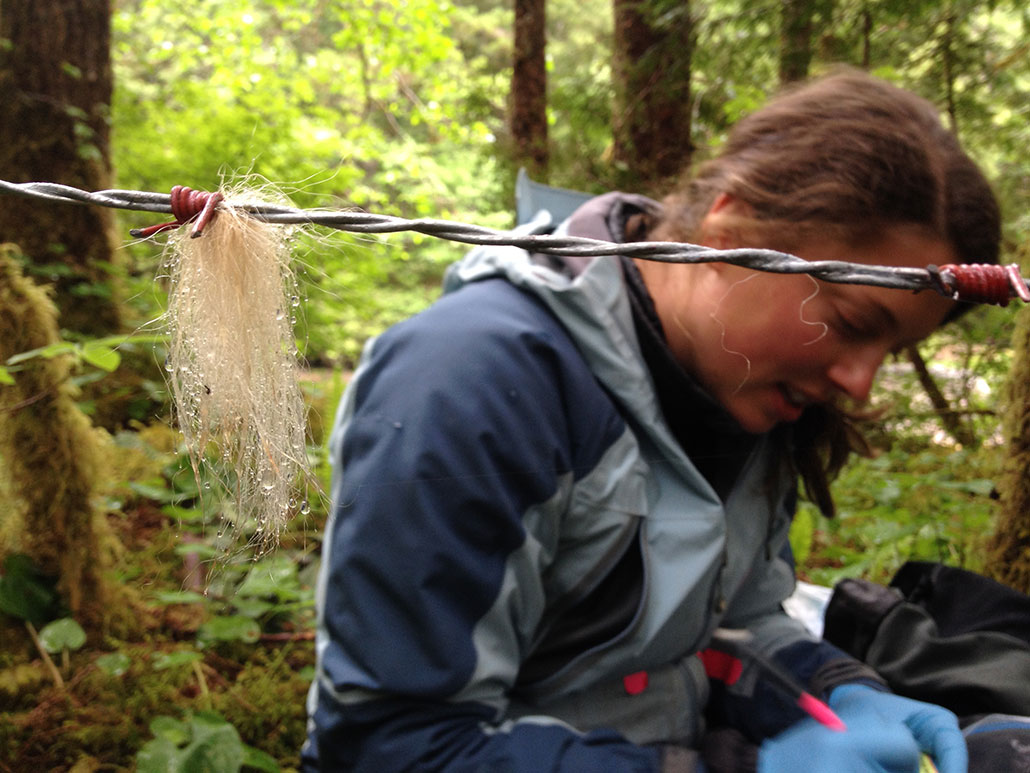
(49, 452)
(651, 70)
(55, 88)
(1009, 550)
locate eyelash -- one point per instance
(850, 330)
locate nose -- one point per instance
(854, 371)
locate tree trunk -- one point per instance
(1008, 555)
(652, 118)
(49, 453)
(55, 88)
(952, 421)
(529, 88)
(795, 39)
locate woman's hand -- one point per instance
(885, 734)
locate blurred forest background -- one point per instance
(133, 636)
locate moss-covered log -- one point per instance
(1009, 550)
(49, 453)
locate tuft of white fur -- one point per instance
(233, 366)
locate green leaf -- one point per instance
(27, 593)
(184, 514)
(216, 747)
(62, 634)
(114, 663)
(179, 597)
(154, 491)
(276, 578)
(162, 661)
(101, 356)
(205, 743)
(5, 376)
(252, 608)
(230, 628)
(49, 352)
(158, 756)
(259, 760)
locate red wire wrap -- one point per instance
(186, 205)
(983, 283)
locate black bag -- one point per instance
(951, 637)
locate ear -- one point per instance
(721, 226)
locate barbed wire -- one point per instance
(983, 284)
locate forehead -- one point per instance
(912, 315)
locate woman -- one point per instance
(552, 486)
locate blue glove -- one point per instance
(885, 734)
(935, 729)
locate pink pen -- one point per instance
(736, 642)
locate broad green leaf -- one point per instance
(271, 578)
(213, 749)
(251, 607)
(5, 376)
(184, 514)
(114, 663)
(259, 760)
(158, 756)
(101, 356)
(25, 592)
(179, 597)
(62, 634)
(230, 628)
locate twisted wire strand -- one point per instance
(955, 281)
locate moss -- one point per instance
(265, 701)
(50, 450)
(1009, 548)
(19, 683)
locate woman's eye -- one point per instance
(854, 329)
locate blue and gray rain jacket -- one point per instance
(522, 563)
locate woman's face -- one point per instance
(768, 345)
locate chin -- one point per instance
(755, 425)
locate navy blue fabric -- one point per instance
(485, 382)
(393, 735)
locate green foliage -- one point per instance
(400, 108)
(933, 505)
(26, 593)
(202, 743)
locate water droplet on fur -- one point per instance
(305, 507)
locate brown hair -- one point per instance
(845, 156)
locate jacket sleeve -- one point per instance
(752, 704)
(454, 447)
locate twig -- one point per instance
(204, 692)
(58, 681)
(288, 636)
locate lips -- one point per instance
(796, 397)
